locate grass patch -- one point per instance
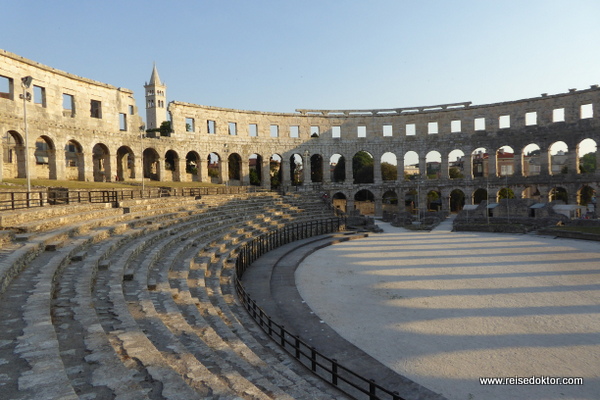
(19, 184)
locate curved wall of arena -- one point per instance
(81, 145)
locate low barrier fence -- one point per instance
(58, 196)
(326, 368)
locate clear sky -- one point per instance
(280, 55)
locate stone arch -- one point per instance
(316, 168)
(505, 193)
(479, 162)
(587, 156)
(586, 195)
(411, 201)
(14, 155)
(532, 157)
(433, 162)
(389, 201)
(505, 161)
(255, 162)
(172, 165)
(456, 166)
(362, 167)
(411, 166)
(364, 202)
(193, 166)
(276, 170)
(532, 192)
(480, 195)
(339, 201)
(151, 164)
(296, 169)
(213, 167)
(125, 163)
(337, 164)
(558, 193)
(234, 162)
(457, 200)
(45, 158)
(559, 157)
(101, 163)
(434, 200)
(389, 167)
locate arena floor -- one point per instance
(445, 309)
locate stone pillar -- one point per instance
(265, 173)
(492, 163)
(400, 171)
(518, 164)
(161, 173)
(56, 164)
(306, 167)
(545, 162)
(349, 172)
(377, 176)
(203, 171)
(223, 171)
(245, 173)
(378, 207)
(180, 174)
(468, 166)
(285, 168)
(423, 167)
(572, 162)
(349, 205)
(444, 174)
(326, 171)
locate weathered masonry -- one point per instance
(434, 156)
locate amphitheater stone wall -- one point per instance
(76, 140)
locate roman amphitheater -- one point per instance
(139, 296)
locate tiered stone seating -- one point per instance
(137, 302)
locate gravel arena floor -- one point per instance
(445, 309)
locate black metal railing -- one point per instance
(325, 367)
(58, 196)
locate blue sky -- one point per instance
(282, 55)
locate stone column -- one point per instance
(545, 162)
(468, 166)
(378, 207)
(161, 173)
(518, 164)
(572, 162)
(285, 176)
(326, 171)
(349, 173)
(224, 170)
(444, 174)
(377, 176)
(180, 172)
(492, 162)
(400, 171)
(245, 173)
(306, 167)
(56, 164)
(265, 173)
(423, 167)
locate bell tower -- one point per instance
(156, 96)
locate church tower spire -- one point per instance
(156, 97)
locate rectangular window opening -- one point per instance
(122, 121)
(232, 128)
(274, 129)
(361, 131)
(586, 111)
(455, 126)
(294, 131)
(131, 110)
(211, 127)
(314, 131)
(95, 109)
(39, 95)
(558, 115)
(387, 131)
(336, 132)
(531, 118)
(6, 88)
(411, 129)
(479, 124)
(504, 121)
(189, 125)
(253, 130)
(432, 128)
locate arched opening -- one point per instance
(411, 201)
(14, 155)
(316, 168)
(389, 202)
(192, 166)
(234, 162)
(364, 202)
(532, 192)
(389, 167)
(433, 162)
(480, 195)
(434, 200)
(213, 167)
(275, 171)
(101, 163)
(45, 158)
(456, 166)
(586, 156)
(362, 167)
(125, 164)
(559, 158)
(172, 165)
(479, 162)
(296, 170)
(339, 201)
(74, 161)
(586, 196)
(531, 160)
(337, 163)
(151, 165)
(559, 194)
(411, 166)
(505, 161)
(457, 200)
(505, 193)
(255, 169)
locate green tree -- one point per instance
(455, 173)
(389, 172)
(254, 177)
(506, 193)
(587, 163)
(339, 171)
(362, 167)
